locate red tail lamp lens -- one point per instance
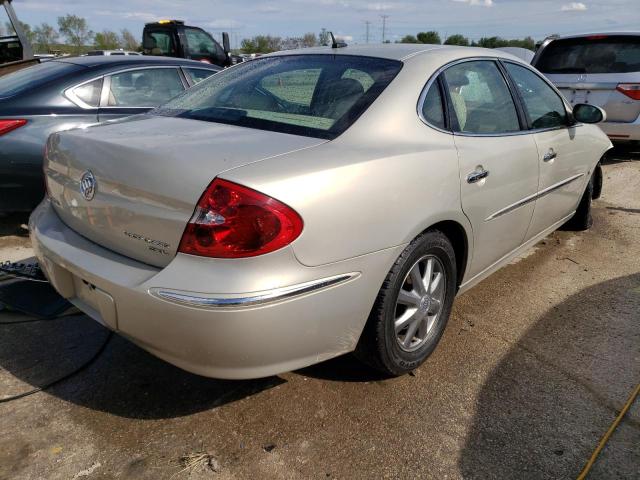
(233, 221)
(631, 90)
(7, 126)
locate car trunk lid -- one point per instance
(148, 174)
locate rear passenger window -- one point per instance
(148, 87)
(89, 93)
(198, 74)
(481, 100)
(544, 106)
(432, 110)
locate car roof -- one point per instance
(399, 51)
(126, 60)
(595, 34)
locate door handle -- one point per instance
(478, 174)
(550, 155)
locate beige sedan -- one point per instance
(312, 203)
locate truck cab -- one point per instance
(15, 49)
(172, 38)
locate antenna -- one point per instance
(335, 43)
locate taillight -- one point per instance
(7, 126)
(232, 221)
(631, 90)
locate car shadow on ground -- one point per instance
(545, 405)
(12, 225)
(124, 380)
(622, 153)
(346, 368)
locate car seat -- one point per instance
(456, 79)
(336, 97)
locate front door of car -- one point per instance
(138, 90)
(563, 162)
(498, 162)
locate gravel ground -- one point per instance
(535, 364)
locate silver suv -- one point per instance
(602, 69)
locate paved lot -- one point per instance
(534, 365)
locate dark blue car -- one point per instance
(73, 92)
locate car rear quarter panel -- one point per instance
(21, 155)
(380, 184)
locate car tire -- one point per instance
(382, 345)
(583, 220)
(597, 182)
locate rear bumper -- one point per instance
(622, 132)
(195, 314)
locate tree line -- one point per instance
(433, 37)
(270, 43)
(77, 35)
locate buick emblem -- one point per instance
(88, 185)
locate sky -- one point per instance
(348, 18)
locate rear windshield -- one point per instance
(595, 54)
(311, 95)
(33, 77)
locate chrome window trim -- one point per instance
(106, 82)
(184, 69)
(71, 96)
(533, 197)
(567, 106)
(250, 300)
(434, 77)
(104, 100)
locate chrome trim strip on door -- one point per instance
(533, 197)
(255, 299)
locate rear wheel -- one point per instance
(412, 307)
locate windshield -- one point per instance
(594, 54)
(311, 95)
(32, 77)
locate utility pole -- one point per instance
(367, 23)
(384, 26)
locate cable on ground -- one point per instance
(605, 438)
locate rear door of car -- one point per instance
(498, 159)
(138, 90)
(563, 161)
(602, 70)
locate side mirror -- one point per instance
(586, 113)
(225, 42)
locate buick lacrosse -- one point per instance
(312, 203)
